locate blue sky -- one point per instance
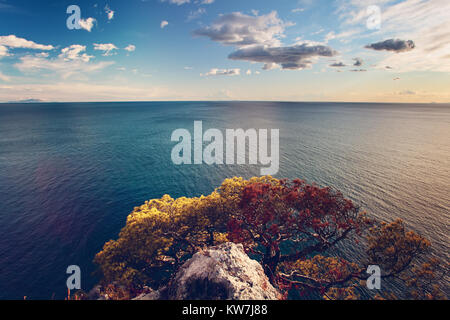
(292, 50)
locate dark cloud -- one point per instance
(337, 65)
(358, 62)
(395, 45)
(358, 70)
(292, 57)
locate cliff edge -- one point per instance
(223, 272)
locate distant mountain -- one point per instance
(27, 101)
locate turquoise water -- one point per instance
(70, 173)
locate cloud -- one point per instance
(358, 62)
(81, 91)
(406, 92)
(4, 78)
(424, 21)
(5, 6)
(249, 72)
(71, 61)
(87, 24)
(109, 12)
(12, 41)
(355, 11)
(164, 24)
(239, 29)
(107, 48)
(337, 64)
(395, 45)
(295, 57)
(3, 51)
(196, 14)
(257, 39)
(177, 2)
(297, 10)
(358, 70)
(342, 35)
(222, 72)
(74, 52)
(206, 1)
(130, 48)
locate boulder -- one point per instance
(223, 272)
(149, 294)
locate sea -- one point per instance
(70, 173)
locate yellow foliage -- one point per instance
(162, 233)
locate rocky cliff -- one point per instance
(218, 273)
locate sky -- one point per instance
(280, 50)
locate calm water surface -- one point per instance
(70, 173)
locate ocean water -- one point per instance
(71, 173)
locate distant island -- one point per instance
(27, 101)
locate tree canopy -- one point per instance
(291, 227)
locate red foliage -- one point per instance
(300, 217)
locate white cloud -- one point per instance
(12, 41)
(222, 72)
(177, 2)
(74, 52)
(249, 72)
(130, 48)
(71, 61)
(342, 35)
(164, 24)
(87, 24)
(297, 10)
(107, 48)
(109, 12)
(196, 14)
(241, 30)
(4, 77)
(425, 22)
(257, 39)
(3, 51)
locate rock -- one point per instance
(149, 294)
(95, 293)
(224, 272)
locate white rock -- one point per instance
(222, 272)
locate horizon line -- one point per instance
(33, 101)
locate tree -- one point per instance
(289, 226)
(288, 221)
(158, 237)
(162, 233)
